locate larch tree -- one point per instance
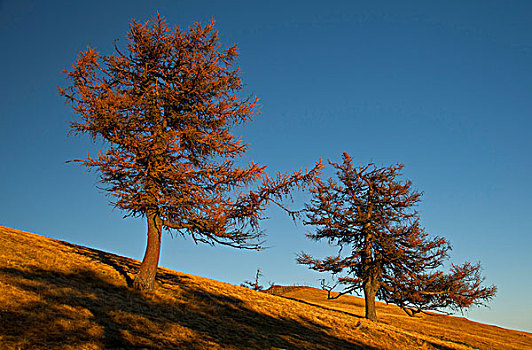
(255, 285)
(369, 214)
(164, 106)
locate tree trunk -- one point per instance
(145, 279)
(369, 294)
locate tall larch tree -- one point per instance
(369, 214)
(165, 105)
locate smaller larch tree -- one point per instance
(255, 285)
(370, 214)
(165, 105)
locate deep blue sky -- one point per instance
(445, 88)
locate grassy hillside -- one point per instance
(56, 295)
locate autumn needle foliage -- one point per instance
(165, 105)
(369, 214)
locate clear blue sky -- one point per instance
(443, 87)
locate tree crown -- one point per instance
(165, 105)
(370, 212)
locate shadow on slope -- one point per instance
(334, 310)
(81, 309)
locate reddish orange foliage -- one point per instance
(165, 105)
(390, 256)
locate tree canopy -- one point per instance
(369, 214)
(165, 105)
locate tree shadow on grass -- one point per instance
(320, 306)
(437, 346)
(83, 309)
(124, 266)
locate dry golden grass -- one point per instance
(56, 295)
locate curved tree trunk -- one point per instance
(145, 279)
(369, 295)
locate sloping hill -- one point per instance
(56, 295)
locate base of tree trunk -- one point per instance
(372, 317)
(143, 284)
